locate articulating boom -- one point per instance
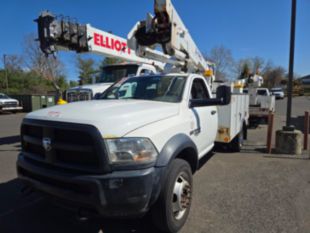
(64, 34)
(167, 29)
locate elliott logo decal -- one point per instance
(111, 43)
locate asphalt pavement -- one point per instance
(233, 192)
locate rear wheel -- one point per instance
(237, 143)
(172, 208)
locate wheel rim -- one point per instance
(181, 197)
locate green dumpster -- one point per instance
(34, 102)
(50, 101)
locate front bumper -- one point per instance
(116, 194)
(11, 108)
(279, 96)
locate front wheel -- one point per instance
(172, 207)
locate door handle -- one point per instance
(213, 112)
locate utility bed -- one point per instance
(233, 118)
(260, 105)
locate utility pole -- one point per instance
(6, 73)
(291, 68)
(289, 133)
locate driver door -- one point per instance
(205, 118)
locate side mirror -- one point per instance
(223, 93)
(223, 96)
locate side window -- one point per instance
(146, 72)
(199, 90)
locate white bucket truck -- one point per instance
(135, 149)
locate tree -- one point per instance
(73, 83)
(13, 62)
(49, 68)
(257, 64)
(26, 82)
(274, 77)
(110, 61)
(86, 70)
(242, 68)
(245, 71)
(252, 65)
(223, 59)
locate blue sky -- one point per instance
(248, 27)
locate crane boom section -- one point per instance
(110, 45)
(181, 39)
(167, 29)
(63, 34)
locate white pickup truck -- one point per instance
(108, 75)
(261, 103)
(8, 104)
(130, 152)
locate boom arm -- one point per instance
(167, 29)
(64, 34)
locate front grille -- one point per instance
(64, 145)
(10, 104)
(79, 95)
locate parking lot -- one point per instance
(233, 193)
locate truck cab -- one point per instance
(277, 92)
(108, 75)
(261, 104)
(262, 99)
(131, 151)
(262, 92)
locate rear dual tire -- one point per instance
(237, 143)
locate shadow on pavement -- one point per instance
(298, 122)
(205, 159)
(32, 212)
(9, 140)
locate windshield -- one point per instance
(3, 96)
(261, 92)
(112, 74)
(276, 89)
(157, 88)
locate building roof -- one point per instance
(305, 79)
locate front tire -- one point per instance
(170, 212)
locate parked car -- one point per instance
(277, 92)
(8, 104)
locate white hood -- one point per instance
(3, 101)
(114, 118)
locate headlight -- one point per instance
(128, 151)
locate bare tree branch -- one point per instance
(223, 59)
(50, 68)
